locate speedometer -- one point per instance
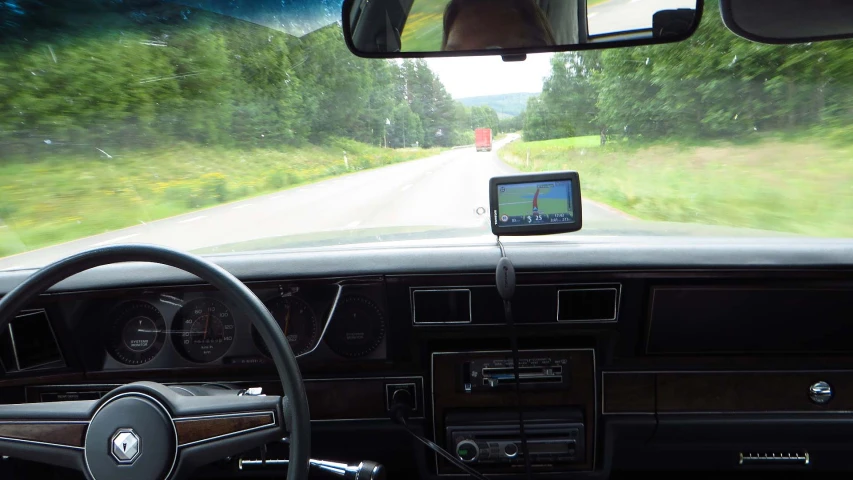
(203, 330)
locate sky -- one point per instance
(476, 76)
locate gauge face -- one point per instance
(296, 320)
(356, 328)
(137, 333)
(203, 330)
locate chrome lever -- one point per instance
(365, 470)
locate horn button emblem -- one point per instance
(125, 446)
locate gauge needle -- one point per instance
(287, 321)
(206, 322)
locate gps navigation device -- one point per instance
(535, 204)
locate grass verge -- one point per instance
(65, 197)
(424, 26)
(800, 185)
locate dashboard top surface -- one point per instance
(611, 253)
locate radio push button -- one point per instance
(510, 450)
(467, 451)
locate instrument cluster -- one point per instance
(198, 326)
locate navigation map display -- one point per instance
(532, 204)
(535, 203)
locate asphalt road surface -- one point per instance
(444, 190)
(625, 15)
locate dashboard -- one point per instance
(182, 327)
(633, 355)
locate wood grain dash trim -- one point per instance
(628, 393)
(65, 434)
(201, 428)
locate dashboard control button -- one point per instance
(820, 392)
(510, 450)
(467, 451)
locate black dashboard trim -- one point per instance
(658, 287)
(605, 254)
(418, 380)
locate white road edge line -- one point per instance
(117, 239)
(242, 206)
(353, 224)
(190, 220)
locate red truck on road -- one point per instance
(483, 139)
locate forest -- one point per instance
(716, 130)
(715, 85)
(122, 75)
(119, 113)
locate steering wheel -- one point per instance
(145, 430)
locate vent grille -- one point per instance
(28, 343)
(598, 303)
(446, 305)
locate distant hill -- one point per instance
(508, 104)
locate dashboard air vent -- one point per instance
(28, 343)
(438, 306)
(593, 303)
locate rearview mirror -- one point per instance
(434, 28)
(788, 21)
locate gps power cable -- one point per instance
(505, 282)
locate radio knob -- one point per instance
(820, 392)
(510, 450)
(467, 451)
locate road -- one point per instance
(444, 190)
(625, 15)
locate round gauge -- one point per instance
(203, 330)
(296, 320)
(137, 333)
(356, 328)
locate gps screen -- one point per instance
(535, 203)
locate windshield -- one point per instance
(219, 126)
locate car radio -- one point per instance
(498, 373)
(553, 438)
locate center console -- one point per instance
(476, 409)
